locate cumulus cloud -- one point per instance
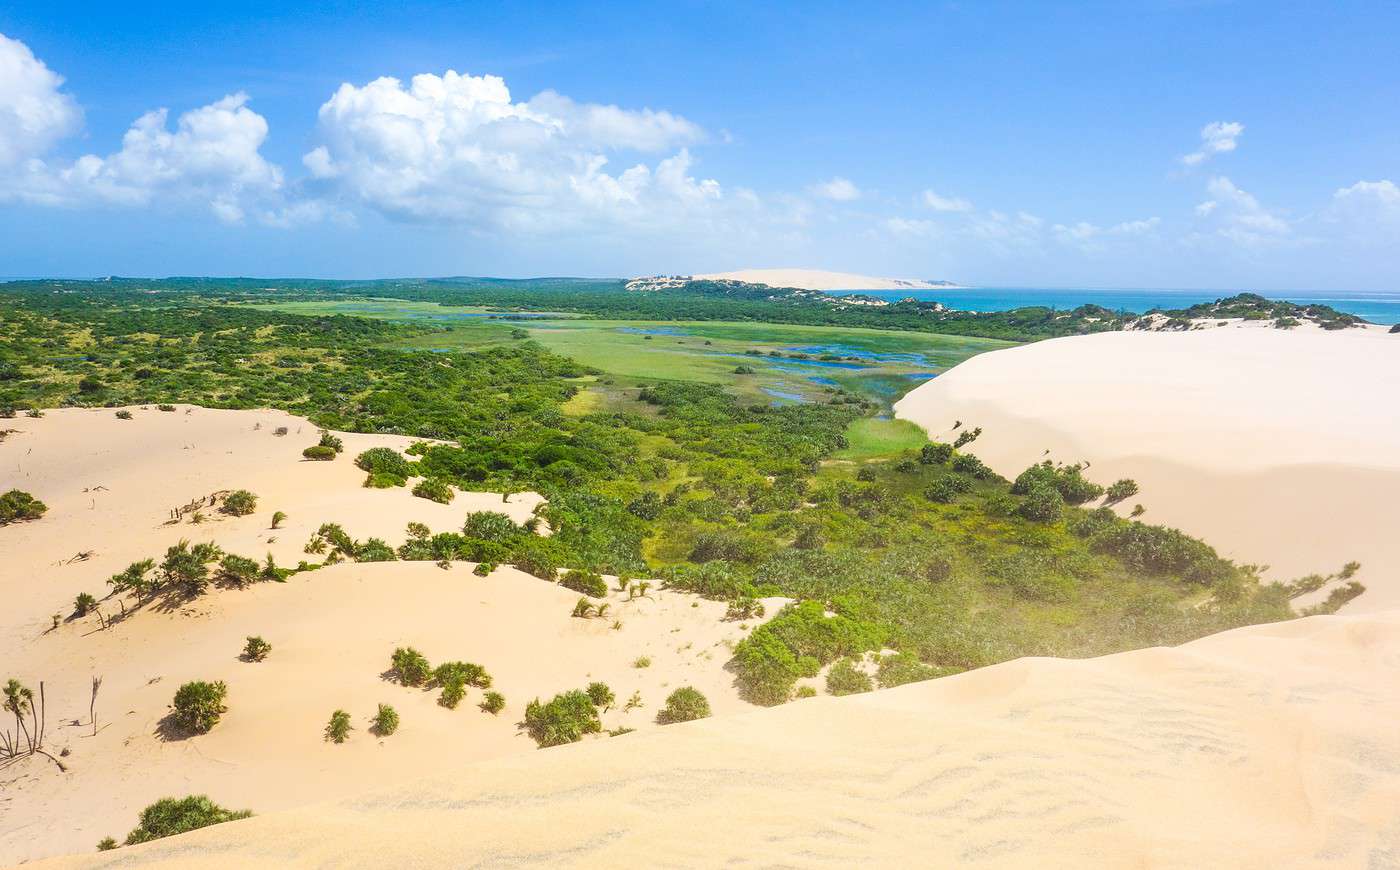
(34, 112)
(1217, 137)
(837, 189)
(910, 228)
(457, 148)
(1239, 216)
(1368, 211)
(945, 203)
(1091, 237)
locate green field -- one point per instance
(789, 363)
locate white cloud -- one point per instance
(1239, 217)
(945, 203)
(1368, 212)
(34, 113)
(1380, 196)
(908, 228)
(837, 189)
(456, 148)
(1217, 137)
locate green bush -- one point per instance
(946, 489)
(124, 415)
(384, 465)
(410, 666)
(382, 480)
(385, 721)
(601, 695)
(1121, 489)
(795, 643)
(897, 670)
(331, 442)
(256, 649)
(845, 678)
(453, 691)
(935, 454)
(83, 603)
(744, 608)
(319, 453)
(493, 702)
(170, 816)
(198, 705)
(1067, 480)
(166, 408)
(239, 569)
(17, 505)
(491, 526)
(469, 673)
(239, 503)
(483, 569)
(1042, 504)
(435, 489)
(339, 727)
(587, 582)
(186, 567)
(565, 719)
(684, 705)
(106, 844)
(374, 550)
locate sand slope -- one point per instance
(1263, 747)
(1278, 448)
(815, 279)
(332, 630)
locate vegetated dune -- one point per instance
(109, 484)
(815, 279)
(1280, 448)
(1268, 746)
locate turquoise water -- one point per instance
(1375, 307)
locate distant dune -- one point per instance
(1279, 448)
(814, 279)
(1269, 746)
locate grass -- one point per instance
(871, 437)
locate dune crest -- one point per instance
(1277, 447)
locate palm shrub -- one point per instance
(374, 550)
(600, 694)
(1121, 489)
(83, 603)
(256, 649)
(453, 691)
(133, 579)
(385, 721)
(330, 442)
(186, 567)
(587, 582)
(198, 705)
(277, 518)
(17, 505)
(469, 673)
(845, 678)
(339, 727)
(410, 666)
(239, 569)
(684, 705)
(170, 816)
(493, 702)
(434, 489)
(565, 719)
(240, 503)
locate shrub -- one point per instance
(1067, 480)
(318, 453)
(339, 727)
(641, 662)
(106, 844)
(187, 567)
(744, 608)
(587, 582)
(805, 692)
(434, 489)
(966, 436)
(384, 722)
(330, 441)
(491, 526)
(966, 463)
(685, 704)
(374, 550)
(945, 489)
(240, 503)
(256, 649)
(1042, 504)
(1121, 489)
(123, 415)
(380, 480)
(1159, 550)
(493, 702)
(600, 695)
(386, 467)
(17, 505)
(469, 673)
(565, 719)
(897, 670)
(238, 569)
(845, 678)
(133, 579)
(453, 691)
(410, 666)
(170, 816)
(198, 705)
(866, 473)
(166, 408)
(277, 518)
(83, 603)
(483, 569)
(935, 454)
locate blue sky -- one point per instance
(1132, 144)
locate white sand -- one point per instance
(332, 630)
(1278, 448)
(815, 279)
(1271, 746)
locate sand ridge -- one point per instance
(1279, 448)
(1263, 747)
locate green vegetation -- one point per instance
(339, 727)
(493, 702)
(240, 503)
(198, 705)
(685, 704)
(17, 505)
(410, 667)
(587, 582)
(845, 678)
(385, 721)
(434, 489)
(170, 816)
(83, 603)
(565, 719)
(601, 696)
(256, 649)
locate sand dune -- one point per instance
(1265, 747)
(1279, 448)
(332, 630)
(815, 279)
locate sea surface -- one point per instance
(1375, 307)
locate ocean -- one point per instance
(1375, 307)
